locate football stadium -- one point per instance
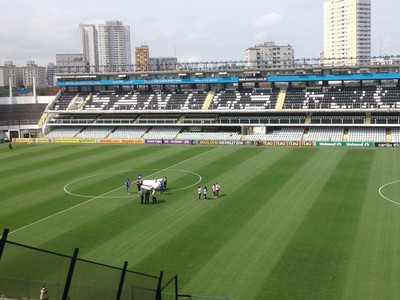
(305, 158)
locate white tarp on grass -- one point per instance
(149, 184)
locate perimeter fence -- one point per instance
(24, 270)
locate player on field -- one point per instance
(153, 196)
(214, 190)
(128, 186)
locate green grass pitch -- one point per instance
(290, 223)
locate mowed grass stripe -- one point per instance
(69, 169)
(25, 153)
(374, 269)
(40, 156)
(210, 233)
(315, 263)
(246, 261)
(42, 202)
(70, 166)
(113, 215)
(33, 209)
(40, 210)
(161, 222)
(242, 265)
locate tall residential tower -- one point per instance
(347, 32)
(114, 46)
(87, 44)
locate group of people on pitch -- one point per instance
(215, 189)
(145, 193)
(145, 196)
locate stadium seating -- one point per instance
(64, 132)
(263, 119)
(63, 101)
(233, 99)
(21, 114)
(210, 136)
(385, 118)
(395, 134)
(219, 114)
(337, 118)
(280, 134)
(128, 133)
(166, 133)
(366, 134)
(95, 132)
(342, 97)
(325, 134)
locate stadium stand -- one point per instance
(95, 132)
(278, 134)
(325, 134)
(343, 97)
(128, 133)
(18, 114)
(277, 104)
(395, 134)
(233, 99)
(168, 133)
(367, 134)
(63, 101)
(64, 132)
(338, 118)
(385, 118)
(210, 136)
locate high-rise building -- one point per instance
(142, 58)
(88, 44)
(114, 46)
(15, 73)
(347, 32)
(4, 76)
(33, 72)
(269, 55)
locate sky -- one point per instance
(193, 31)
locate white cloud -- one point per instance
(268, 20)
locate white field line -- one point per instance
(386, 198)
(123, 171)
(63, 211)
(96, 197)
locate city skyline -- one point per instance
(210, 31)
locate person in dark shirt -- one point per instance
(165, 182)
(153, 196)
(146, 196)
(141, 193)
